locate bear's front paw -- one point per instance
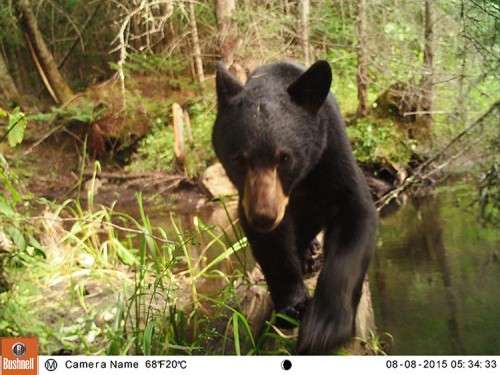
(323, 333)
(295, 312)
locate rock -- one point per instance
(85, 260)
(105, 317)
(215, 180)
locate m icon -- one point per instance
(51, 364)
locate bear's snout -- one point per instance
(264, 201)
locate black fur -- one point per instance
(283, 108)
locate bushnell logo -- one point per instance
(18, 349)
(18, 356)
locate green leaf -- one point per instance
(148, 337)
(18, 238)
(16, 127)
(44, 117)
(3, 113)
(70, 4)
(124, 254)
(37, 247)
(15, 196)
(236, 334)
(5, 208)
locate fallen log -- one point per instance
(257, 307)
(132, 176)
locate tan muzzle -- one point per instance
(264, 201)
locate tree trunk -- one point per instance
(7, 85)
(42, 57)
(425, 119)
(167, 9)
(196, 44)
(461, 102)
(304, 30)
(228, 31)
(362, 73)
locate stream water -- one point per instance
(435, 279)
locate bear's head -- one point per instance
(269, 134)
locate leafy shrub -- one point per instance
(377, 140)
(16, 124)
(155, 151)
(81, 111)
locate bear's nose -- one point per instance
(263, 222)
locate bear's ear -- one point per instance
(226, 85)
(312, 87)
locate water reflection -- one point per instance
(435, 278)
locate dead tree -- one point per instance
(227, 30)
(196, 44)
(362, 71)
(424, 119)
(42, 57)
(461, 103)
(179, 142)
(7, 86)
(305, 8)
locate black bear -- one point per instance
(282, 141)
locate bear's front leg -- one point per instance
(276, 254)
(330, 317)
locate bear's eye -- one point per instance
(239, 159)
(283, 157)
